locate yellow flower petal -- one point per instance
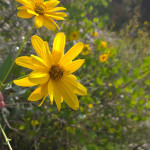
(68, 95)
(22, 8)
(26, 3)
(55, 17)
(51, 4)
(24, 14)
(57, 95)
(24, 82)
(48, 23)
(50, 91)
(75, 85)
(38, 93)
(38, 20)
(42, 101)
(58, 47)
(73, 66)
(71, 54)
(56, 9)
(38, 45)
(39, 77)
(32, 12)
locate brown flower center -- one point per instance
(56, 72)
(39, 8)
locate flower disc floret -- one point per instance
(39, 8)
(56, 72)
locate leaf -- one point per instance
(5, 66)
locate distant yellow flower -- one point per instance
(21, 127)
(146, 23)
(52, 72)
(86, 49)
(109, 84)
(90, 105)
(103, 57)
(34, 122)
(104, 44)
(95, 34)
(74, 36)
(44, 12)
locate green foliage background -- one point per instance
(118, 89)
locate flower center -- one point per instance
(39, 8)
(56, 72)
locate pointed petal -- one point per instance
(26, 3)
(68, 95)
(39, 77)
(50, 91)
(38, 93)
(38, 45)
(49, 23)
(48, 55)
(23, 8)
(55, 9)
(42, 101)
(38, 20)
(24, 14)
(75, 85)
(51, 4)
(71, 54)
(55, 17)
(73, 66)
(57, 95)
(58, 47)
(32, 12)
(24, 82)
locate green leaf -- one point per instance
(5, 66)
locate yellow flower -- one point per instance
(146, 23)
(52, 72)
(110, 84)
(104, 44)
(34, 122)
(74, 36)
(44, 12)
(90, 105)
(86, 49)
(103, 57)
(95, 34)
(21, 127)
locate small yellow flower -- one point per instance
(103, 57)
(52, 72)
(104, 44)
(34, 122)
(74, 36)
(146, 23)
(21, 127)
(90, 105)
(110, 84)
(95, 34)
(86, 49)
(44, 12)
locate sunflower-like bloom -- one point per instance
(86, 49)
(52, 72)
(44, 12)
(103, 58)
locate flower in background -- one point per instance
(21, 127)
(52, 72)
(146, 23)
(74, 36)
(44, 12)
(2, 104)
(95, 34)
(86, 49)
(34, 122)
(103, 44)
(103, 57)
(90, 105)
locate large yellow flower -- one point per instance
(52, 72)
(44, 12)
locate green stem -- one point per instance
(18, 53)
(7, 140)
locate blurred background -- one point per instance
(115, 115)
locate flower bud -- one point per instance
(2, 104)
(1, 97)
